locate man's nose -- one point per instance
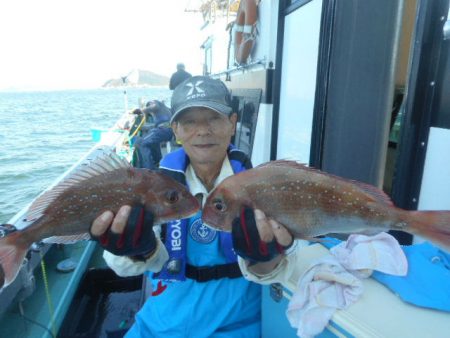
(204, 127)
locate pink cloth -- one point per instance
(360, 254)
(334, 281)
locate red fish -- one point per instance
(311, 203)
(64, 214)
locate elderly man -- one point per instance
(198, 288)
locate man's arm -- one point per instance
(278, 270)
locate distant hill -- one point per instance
(138, 78)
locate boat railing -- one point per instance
(24, 285)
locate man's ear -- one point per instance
(233, 119)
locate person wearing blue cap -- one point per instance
(197, 273)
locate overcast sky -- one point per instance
(58, 44)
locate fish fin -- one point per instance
(67, 239)
(11, 258)
(316, 240)
(284, 163)
(100, 161)
(378, 194)
(433, 225)
(294, 165)
(313, 239)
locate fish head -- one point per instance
(221, 208)
(169, 200)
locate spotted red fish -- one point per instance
(312, 203)
(64, 213)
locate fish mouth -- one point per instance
(193, 213)
(169, 219)
(216, 228)
(207, 221)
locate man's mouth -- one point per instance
(204, 146)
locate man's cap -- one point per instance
(180, 65)
(201, 91)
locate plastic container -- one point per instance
(105, 135)
(97, 134)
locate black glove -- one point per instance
(246, 240)
(137, 240)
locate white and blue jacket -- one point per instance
(224, 307)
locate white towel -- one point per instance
(333, 282)
(360, 254)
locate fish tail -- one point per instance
(12, 254)
(433, 225)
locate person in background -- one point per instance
(199, 289)
(149, 145)
(179, 76)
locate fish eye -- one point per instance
(172, 196)
(219, 205)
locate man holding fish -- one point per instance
(210, 297)
(207, 295)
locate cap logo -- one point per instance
(195, 90)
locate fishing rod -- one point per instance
(125, 96)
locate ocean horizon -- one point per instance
(44, 132)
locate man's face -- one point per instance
(205, 134)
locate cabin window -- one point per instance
(298, 88)
(207, 63)
(246, 103)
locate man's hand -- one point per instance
(129, 233)
(258, 238)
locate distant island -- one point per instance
(138, 78)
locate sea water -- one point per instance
(42, 134)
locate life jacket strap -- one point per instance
(206, 273)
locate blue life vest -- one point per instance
(225, 307)
(175, 164)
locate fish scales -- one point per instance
(78, 205)
(322, 199)
(65, 213)
(310, 203)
